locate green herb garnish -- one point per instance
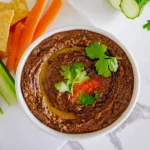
(96, 95)
(147, 25)
(106, 64)
(72, 75)
(142, 3)
(1, 112)
(86, 99)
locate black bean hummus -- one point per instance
(56, 109)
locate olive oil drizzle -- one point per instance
(64, 115)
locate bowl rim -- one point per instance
(81, 136)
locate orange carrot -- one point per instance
(47, 18)
(12, 53)
(29, 29)
(10, 41)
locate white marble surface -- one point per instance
(15, 128)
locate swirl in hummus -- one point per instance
(59, 110)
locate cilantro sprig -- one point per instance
(142, 3)
(86, 99)
(147, 25)
(105, 64)
(72, 75)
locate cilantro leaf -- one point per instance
(147, 25)
(86, 99)
(102, 67)
(65, 72)
(76, 69)
(81, 77)
(96, 95)
(113, 64)
(72, 75)
(106, 64)
(142, 3)
(62, 87)
(96, 50)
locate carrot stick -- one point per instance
(29, 29)
(12, 53)
(47, 18)
(10, 41)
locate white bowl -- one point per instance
(58, 134)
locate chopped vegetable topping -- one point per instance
(106, 64)
(96, 95)
(72, 75)
(86, 87)
(147, 25)
(86, 99)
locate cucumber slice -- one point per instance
(130, 8)
(7, 85)
(115, 3)
(7, 75)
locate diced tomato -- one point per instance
(87, 87)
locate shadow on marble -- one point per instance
(96, 10)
